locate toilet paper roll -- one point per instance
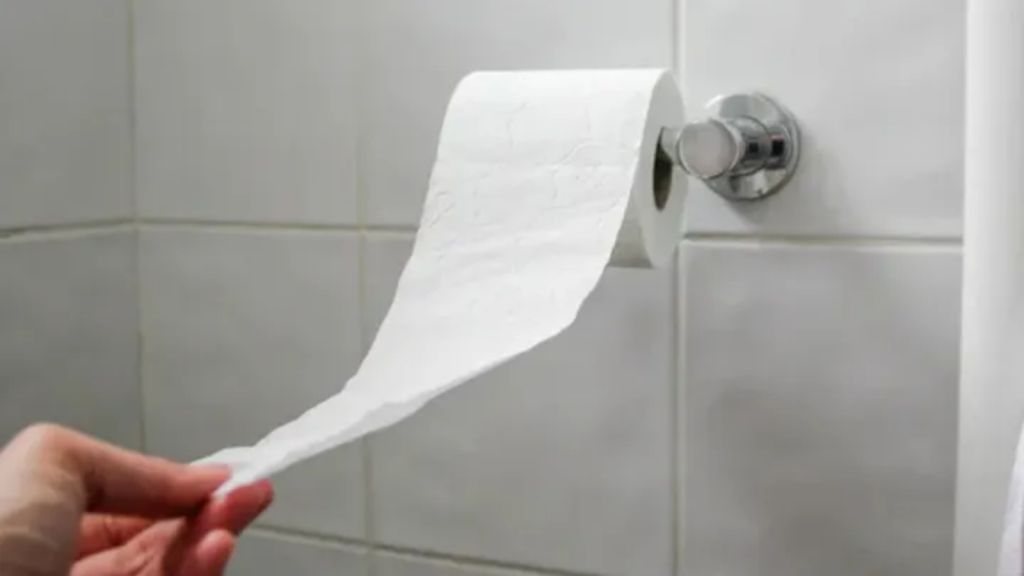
(541, 180)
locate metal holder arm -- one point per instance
(746, 150)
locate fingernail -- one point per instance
(211, 469)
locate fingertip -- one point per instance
(214, 550)
(265, 490)
(204, 479)
(236, 510)
(258, 495)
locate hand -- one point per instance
(70, 504)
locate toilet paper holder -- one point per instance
(747, 148)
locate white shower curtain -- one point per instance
(992, 356)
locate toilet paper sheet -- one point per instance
(541, 179)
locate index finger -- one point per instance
(105, 478)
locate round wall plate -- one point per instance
(785, 146)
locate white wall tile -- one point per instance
(561, 458)
(385, 564)
(68, 339)
(878, 90)
(260, 554)
(245, 110)
(413, 54)
(65, 111)
(820, 395)
(242, 331)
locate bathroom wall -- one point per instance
(780, 403)
(821, 330)
(68, 305)
(283, 152)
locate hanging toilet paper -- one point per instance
(541, 180)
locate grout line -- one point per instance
(300, 537)
(812, 241)
(495, 568)
(364, 442)
(362, 227)
(317, 539)
(475, 561)
(675, 32)
(355, 72)
(140, 341)
(43, 230)
(299, 227)
(693, 237)
(133, 183)
(675, 460)
(133, 179)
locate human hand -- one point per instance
(70, 504)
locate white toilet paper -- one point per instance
(541, 179)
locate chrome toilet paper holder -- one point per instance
(747, 148)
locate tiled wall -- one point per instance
(68, 305)
(821, 331)
(283, 153)
(782, 403)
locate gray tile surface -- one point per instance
(878, 91)
(68, 338)
(65, 112)
(244, 331)
(245, 110)
(820, 410)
